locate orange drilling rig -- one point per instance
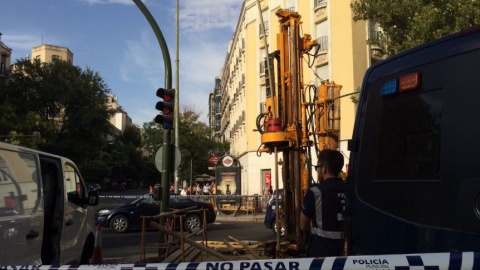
(297, 117)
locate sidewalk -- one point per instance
(242, 217)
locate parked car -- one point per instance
(128, 216)
(271, 214)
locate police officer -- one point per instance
(323, 206)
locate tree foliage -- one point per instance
(65, 104)
(68, 107)
(406, 24)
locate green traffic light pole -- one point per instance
(166, 146)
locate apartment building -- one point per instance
(47, 53)
(214, 114)
(120, 120)
(343, 57)
(5, 57)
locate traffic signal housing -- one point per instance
(167, 107)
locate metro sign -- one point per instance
(213, 160)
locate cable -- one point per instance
(259, 124)
(259, 154)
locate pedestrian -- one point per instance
(327, 198)
(213, 189)
(197, 189)
(189, 190)
(206, 189)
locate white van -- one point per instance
(45, 210)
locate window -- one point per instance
(73, 185)
(18, 183)
(321, 74)
(409, 138)
(55, 57)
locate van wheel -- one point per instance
(192, 221)
(87, 252)
(119, 224)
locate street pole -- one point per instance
(164, 207)
(177, 98)
(191, 176)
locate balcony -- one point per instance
(377, 43)
(262, 73)
(291, 9)
(262, 40)
(263, 5)
(320, 11)
(261, 43)
(322, 55)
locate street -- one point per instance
(125, 244)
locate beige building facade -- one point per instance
(120, 120)
(5, 58)
(47, 53)
(343, 57)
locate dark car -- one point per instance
(271, 214)
(128, 216)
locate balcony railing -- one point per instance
(267, 27)
(323, 42)
(378, 38)
(291, 9)
(262, 67)
(320, 3)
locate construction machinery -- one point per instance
(297, 118)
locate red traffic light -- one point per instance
(166, 94)
(167, 107)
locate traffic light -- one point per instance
(167, 107)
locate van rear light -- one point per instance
(409, 82)
(210, 206)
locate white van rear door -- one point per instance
(21, 218)
(75, 219)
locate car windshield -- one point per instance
(144, 199)
(147, 199)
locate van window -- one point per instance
(409, 137)
(19, 187)
(73, 185)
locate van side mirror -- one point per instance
(93, 198)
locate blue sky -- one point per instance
(113, 38)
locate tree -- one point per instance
(66, 104)
(68, 107)
(406, 24)
(195, 143)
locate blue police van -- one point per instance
(414, 182)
